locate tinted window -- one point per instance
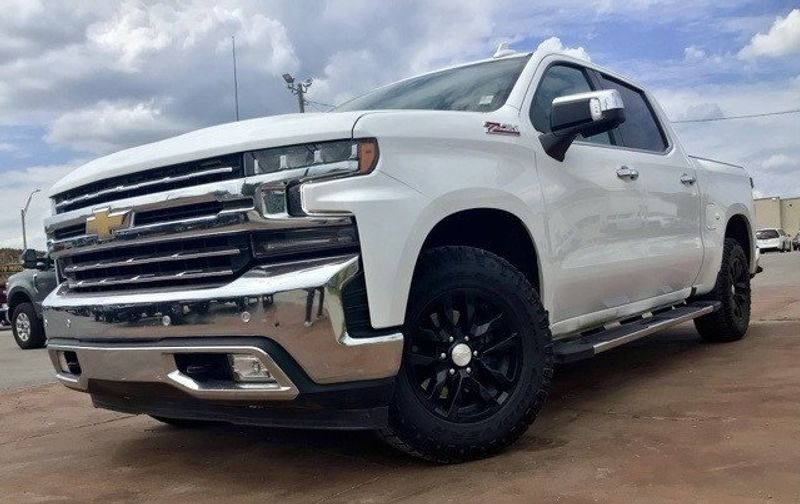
(560, 80)
(640, 129)
(767, 234)
(481, 87)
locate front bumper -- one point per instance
(134, 338)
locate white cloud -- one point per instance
(554, 45)
(780, 162)
(111, 126)
(782, 39)
(701, 111)
(15, 186)
(693, 54)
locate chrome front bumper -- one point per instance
(121, 337)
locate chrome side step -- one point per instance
(590, 344)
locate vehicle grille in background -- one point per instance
(151, 181)
(203, 261)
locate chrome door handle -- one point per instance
(688, 179)
(627, 173)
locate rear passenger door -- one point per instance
(672, 231)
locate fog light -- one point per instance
(249, 368)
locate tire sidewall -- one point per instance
(735, 252)
(493, 278)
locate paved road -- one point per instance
(667, 419)
(22, 368)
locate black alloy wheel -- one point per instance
(465, 356)
(478, 357)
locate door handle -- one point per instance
(624, 172)
(688, 179)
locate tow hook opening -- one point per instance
(68, 362)
(204, 367)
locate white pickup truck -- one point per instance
(415, 261)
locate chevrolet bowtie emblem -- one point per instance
(103, 223)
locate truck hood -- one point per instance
(214, 141)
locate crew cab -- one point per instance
(415, 261)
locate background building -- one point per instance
(775, 212)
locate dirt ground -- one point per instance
(667, 419)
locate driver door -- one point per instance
(596, 215)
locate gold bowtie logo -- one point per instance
(103, 223)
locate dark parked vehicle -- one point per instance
(3, 305)
(26, 291)
(796, 241)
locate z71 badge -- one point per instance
(497, 128)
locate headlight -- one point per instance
(354, 157)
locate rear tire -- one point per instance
(732, 290)
(478, 358)
(27, 327)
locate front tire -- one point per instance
(478, 358)
(27, 328)
(732, 290)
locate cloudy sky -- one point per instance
(82, 79)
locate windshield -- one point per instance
(766, 234)
(482, 87)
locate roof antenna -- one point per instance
(503, 50)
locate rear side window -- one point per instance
(560, 80)
(640, 129)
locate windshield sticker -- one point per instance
(486, 99)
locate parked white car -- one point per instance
(415, 261)
(773, 239)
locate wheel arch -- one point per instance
(740, 229)
(15, 298)
(495, 230)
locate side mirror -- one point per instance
(585, 113)
(31, 260)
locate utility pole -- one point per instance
(22, 213)
(235, 78)
(298, 88)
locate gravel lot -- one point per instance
(667, 419)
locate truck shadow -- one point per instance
(281, 459)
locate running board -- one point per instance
(591, 344)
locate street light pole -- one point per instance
(298, 88)
(22, 213)
(235, 78)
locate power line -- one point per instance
(728, 118)
(320, 103)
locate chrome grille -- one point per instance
(200, 261)
(150, 181)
